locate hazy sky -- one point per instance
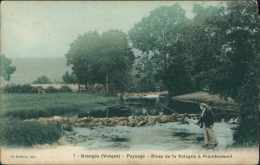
(45, 29)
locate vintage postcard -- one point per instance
(135, 82)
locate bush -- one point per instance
(17, 133)
(11, 89)
(65, 89)
(51, 89)
(26, 88)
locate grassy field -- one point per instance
(26, 106)
(18, 107)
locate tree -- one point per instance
(83, 56)
(198, 50)
(42, 80)
(180, 81)
(101, 59)
(69, 78)
(213, 11)
(6, 69)
(226, 60)
(155, 33)
(222, 53)
(237, 76)
(196, 37)
(116, 59)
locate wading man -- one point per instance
(206, 121)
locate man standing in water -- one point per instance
(206, 121)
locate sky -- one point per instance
(32, 29)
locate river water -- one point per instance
(165, 137)
(140, 106)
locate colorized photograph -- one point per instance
(159, 82)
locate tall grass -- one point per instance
(26, 106)
(17, 133)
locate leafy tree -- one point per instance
(236, 50)
(222, 51)
(101, 59)
(69, 78)
(201, 46)
(196, 40)
(6, 69)
(83, 56)
(155, 33)
(42, 80)
(116, 59)
(237, 76)
(180, 81)
(213, 11)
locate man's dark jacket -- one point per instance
(207, 118)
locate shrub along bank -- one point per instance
(26, 88)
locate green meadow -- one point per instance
(27, 106)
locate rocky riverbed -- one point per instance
(131, 121)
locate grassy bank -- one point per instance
(17, 133)
(204, 97)
(26, 106)
(17, 107)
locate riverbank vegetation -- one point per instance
(17, 133)
(27, 106)
(206, 53)
(26, 88)
(18, 107)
